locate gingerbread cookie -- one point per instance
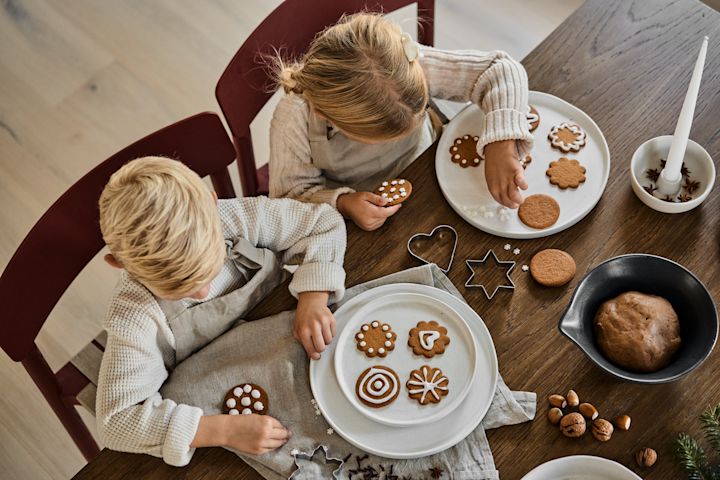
(566, 173)
(428, 339)
(396, 190)
(375, 339)
(552, 268)
(427, 385)
(464, 151)
(567, 137)
(245, 399)
(377, 386)
(539, 211)
(533, 118)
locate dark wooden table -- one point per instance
(627, 64)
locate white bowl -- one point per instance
(581, 467)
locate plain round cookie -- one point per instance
(539, 211)
(637, 331)
(552, 267)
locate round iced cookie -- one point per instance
(375, 339)
(396, 192)
(244, 399)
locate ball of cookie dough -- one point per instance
(638, 332)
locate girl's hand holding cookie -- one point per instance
(504, 173)
(366, 209)
(314, 323)
(253, 434)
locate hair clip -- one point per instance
(411, 48)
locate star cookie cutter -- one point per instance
(430, 235)
(469, 283)
(308, 456)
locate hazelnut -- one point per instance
(622, 422)
(557, 401)
(572, 425)
(554, 415)
(572, 399)
(602, 430)
(646, 457)
(588, 411)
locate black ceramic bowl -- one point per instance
(653, 275)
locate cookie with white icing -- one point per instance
(427, 385)
(533, 118)
(464, 152)
(375, 339)
(567, 137)
(396, 190)
(428, 339)
(377, 386)
(245, 399)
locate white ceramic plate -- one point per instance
(581, 467)
(466, 190)
(417, 440)
(403, 311)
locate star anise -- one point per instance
(684, 171)
(691, 185)
(669, 198)
(650, 189)
(684, 198)
(436, 472)
(653, 174)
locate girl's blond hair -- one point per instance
(357, 75)
(160, 221)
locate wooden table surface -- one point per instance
(627, 64)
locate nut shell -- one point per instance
(588, 411)
(572, 399)
(572, 425)
(622, 422)
(554, 415)
(646, 457)
(557, 401)
(602, 430)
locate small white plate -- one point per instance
(581, 467)
(417, 440)
(466, 191)
(403, 311)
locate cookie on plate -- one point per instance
(428, 339)
(533, 118)
(396, 190)
(427, 385)
(375, 339)
(526, 161)
(245, 399)
(377, 386)
(566, 173)
(539, 211)
(567, 137)
(552, 267)
(464, 151)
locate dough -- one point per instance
(638, 332)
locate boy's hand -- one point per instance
(504, 173)
(314, 323)
(366, 209)
(253, 434)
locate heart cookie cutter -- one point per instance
(429, 235)
(470, 284)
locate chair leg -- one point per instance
(44, 378)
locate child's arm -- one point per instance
(498, 84)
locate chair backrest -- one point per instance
(245, 86)
(68, 235)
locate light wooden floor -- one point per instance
(80, 79)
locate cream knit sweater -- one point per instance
(140, 349)
(493, 80)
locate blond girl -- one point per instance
(356, 113)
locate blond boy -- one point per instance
(169, 234)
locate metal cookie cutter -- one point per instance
(308, 456)
(430, 235)
(471, 263)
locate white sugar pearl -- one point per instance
(375, 324)
(394, 182)
(255, 394)
(365, 328)
(476, 138)
(245, 401)
(233, 412)
(388, 335)
(384, 195)
(247, 388)
(388, 343)
(403, 194)
(464, 161)
(381, 350)
(476, 160)
(458, 141)
(371, 350)
(456, 157)
(386, 328)
(385, 184)
(507, 246)
(395, 197)
(381, 189)
(237, 391)
(466, 137)
(525, 268)
(392, 189)
(401, 182)
(231, 403)
(402, 189)
(362, 344)
(246, 411)
(258, 406)
(360, 336)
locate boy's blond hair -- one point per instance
(161, 223)
(357, 75)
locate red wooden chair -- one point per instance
(245, 85)
(67, 237)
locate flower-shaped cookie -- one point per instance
(246, 398)
(427, 385)
(375, 339)
(464, 151)
(428, 339)
(566, 173)
(567, 137)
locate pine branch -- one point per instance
(710, 422)
(691, 457)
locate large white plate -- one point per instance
(581, 467)
(402, 311)
(466, 191)
(417, 440)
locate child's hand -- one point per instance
(504, 174)
(253, 434)
(314, 323)
(366, 209)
